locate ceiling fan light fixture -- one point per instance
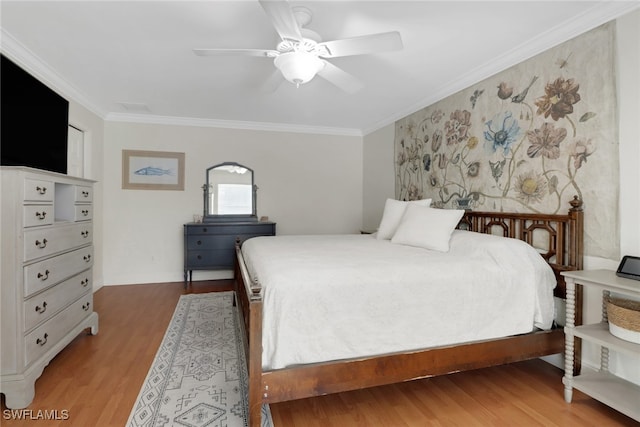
(298, 67)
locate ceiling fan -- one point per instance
(301, 54)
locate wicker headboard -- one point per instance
(559, 238)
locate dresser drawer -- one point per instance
(45, 336)
(84, 194)
(212, 259)
(254, 228)
(44, 305)
(48, 241)
(46, 273)
(208, 242)
(37, 190)
(83, 213)
(34, 215)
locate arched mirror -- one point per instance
(229, 193)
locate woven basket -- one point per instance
(624, 314)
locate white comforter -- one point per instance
(337, 297)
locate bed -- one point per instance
(275, 292)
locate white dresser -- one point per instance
(46, 290)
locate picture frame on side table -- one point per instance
(152, 170)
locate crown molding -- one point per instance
(18, 53)
(230, 124)
(599, 14)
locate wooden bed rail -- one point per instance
(248, 294)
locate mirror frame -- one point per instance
(211, 217)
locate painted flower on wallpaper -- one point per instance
(436, 140)
(414, 193)
(402, 158)
(457, 127)
(580, 150)
(530, 187)
(442, 161)
(502, 133)
(559, 98)
(436, 116)
(504, 90)
(497, 168)
(473, 169)
(426, 160)
(545, 141)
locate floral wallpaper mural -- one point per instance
(526, 139)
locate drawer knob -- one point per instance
(85, 194)
(41, 215)
(84, 234)
(86, 306)
(42, 244)
(44, 276)
(41, 190)
(41, 309)
(85, 212)
(199, 242)
(84, 282)
(42, 341)
(87, 258)
(199, 256)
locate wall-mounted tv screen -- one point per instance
(34, 121)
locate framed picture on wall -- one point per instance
(152, 170)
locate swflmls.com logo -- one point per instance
(31, 414)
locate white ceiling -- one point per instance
(104, 54)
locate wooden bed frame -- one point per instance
(563, 235)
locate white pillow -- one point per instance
(393, 211)
(426, 227)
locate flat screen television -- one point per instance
(34, 121)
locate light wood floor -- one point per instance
(97, 379)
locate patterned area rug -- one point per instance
(198, 377)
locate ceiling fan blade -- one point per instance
(264, 53)
(372, 43)
(282, 19)
(272, 83)
(340, 78)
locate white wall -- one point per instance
(308, 184)
(379, 175)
